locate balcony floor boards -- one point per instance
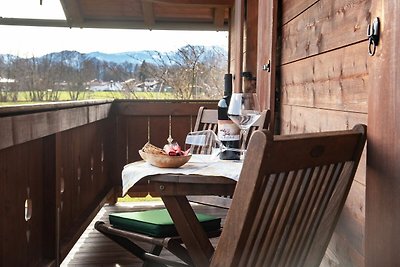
(94, 249)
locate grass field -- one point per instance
(138, 199)
(23, 97)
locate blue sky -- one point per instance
(37, 41)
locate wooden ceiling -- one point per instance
(148, 14)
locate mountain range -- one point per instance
(133, 57)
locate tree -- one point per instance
(192, 71)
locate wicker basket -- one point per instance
(164, 161)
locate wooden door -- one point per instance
(266, 51)
(382, 240)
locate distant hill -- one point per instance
(74, 58)
(119, 58)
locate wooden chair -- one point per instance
(289, 197)
(286, 205)
(207, 119)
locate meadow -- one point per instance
(24, 98)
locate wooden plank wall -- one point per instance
(66, 162)
(58, 161)
(137, 122)
(243, 40)
(323, 83)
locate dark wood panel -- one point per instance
(325, 26)
(137, 136)
(296, 119)
(2, 207)
(293, 8)
(251, 31)
(7, 111)
(24, 128)
(157, 108)
(6, 137)
(237, 43)
(383, 179)
(266, 53)
(15, 182)
(34, 164)
(336, 80)
(51, 187)
(80, 159)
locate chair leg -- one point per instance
(149, 258)
(178, 250)
(156, 250)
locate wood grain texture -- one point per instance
(325, 26)
(383, 180)
(251, 40)
(22, 179)
(266, 53)
(237, 43)
(337, 80)
(292, 9)
(24, 128)
(286, 209)
(297, 119)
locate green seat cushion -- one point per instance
(157, 223)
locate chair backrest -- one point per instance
(289, 197)
(207, 119)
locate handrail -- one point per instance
(51, 106)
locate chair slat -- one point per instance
(290, 210)
(288, 198)
(310, 192)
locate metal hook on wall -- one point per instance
(373, 36)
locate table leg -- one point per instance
(190, 229)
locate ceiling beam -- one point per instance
(33, 22)
(204, 3)
(219, 18)
(188, 26)
(148, 14)
(72, 11)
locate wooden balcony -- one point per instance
(60, 163)
(95, 249)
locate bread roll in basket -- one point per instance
(159, 158)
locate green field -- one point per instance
(138, 199)
(23, 97)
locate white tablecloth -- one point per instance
(198, 164)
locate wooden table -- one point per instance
(173, 190)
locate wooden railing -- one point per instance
(59, 163)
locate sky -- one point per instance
(37, 41)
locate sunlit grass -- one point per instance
(23, 97)
(138, 199)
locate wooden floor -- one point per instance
(94, 249)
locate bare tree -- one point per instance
(8, 85)
(192, 72)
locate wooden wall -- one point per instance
(323, 81)
(243, 40)
(54, 175)
(138, 121)
(67, 161)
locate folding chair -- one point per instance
(207, 119)
(289, 197)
